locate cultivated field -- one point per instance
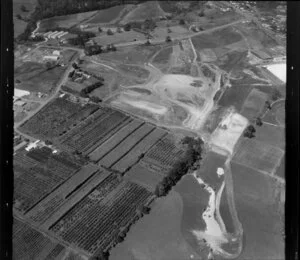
(38, 173)
(56, 118)
(254, 104)
(31, 244)
(113, 142)
(258, 156)
(88, 135)
(95, 222)
(144, 177)
(257, 202)
(63, 197)
(126, 145)
(163, 155)
(139, 150)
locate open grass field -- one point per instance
(235, 96)
(225, 213)
(157, 236)
(216, 39)
(259, 156)
(254, 104)
(34, 77)
(65, 21)
(133, 70)
(122, 37)
(163, 55)
(256, 199)
(195, 200)
(208, 170)
(270, 134)
(107, 15)
(142, 176)
(130, 55)
(281, 169)
(148, 10)
(256, 37)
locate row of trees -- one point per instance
(192, 155)
(87, 90)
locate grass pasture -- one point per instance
(134, 70)
(257, 204)
(216, 39)
(259, 156)
(276, 115)
(256, 37)
(235, 96)
(119, 38)
(208, 170)
(65, 21)
(163, 56)
(140, 175)
(107, 15)
(254, 104)
(157, 235)
(35, 78)
(131, 55)
(270, 134)
(147, 10)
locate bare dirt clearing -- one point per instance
(228, 132)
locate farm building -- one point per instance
(56, 53)
(61, 35)
(51, 57)
(54, 35)
(51, 34)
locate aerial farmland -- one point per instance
(149, 130)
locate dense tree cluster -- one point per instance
(87, 90)
(249, 131)
(93, 50)
(192, 155)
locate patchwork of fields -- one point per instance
(90, 176)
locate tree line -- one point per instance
(188, 162)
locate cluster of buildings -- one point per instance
(54, 35)
(54, 57)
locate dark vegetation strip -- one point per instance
(182, 167)
(46, 9)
